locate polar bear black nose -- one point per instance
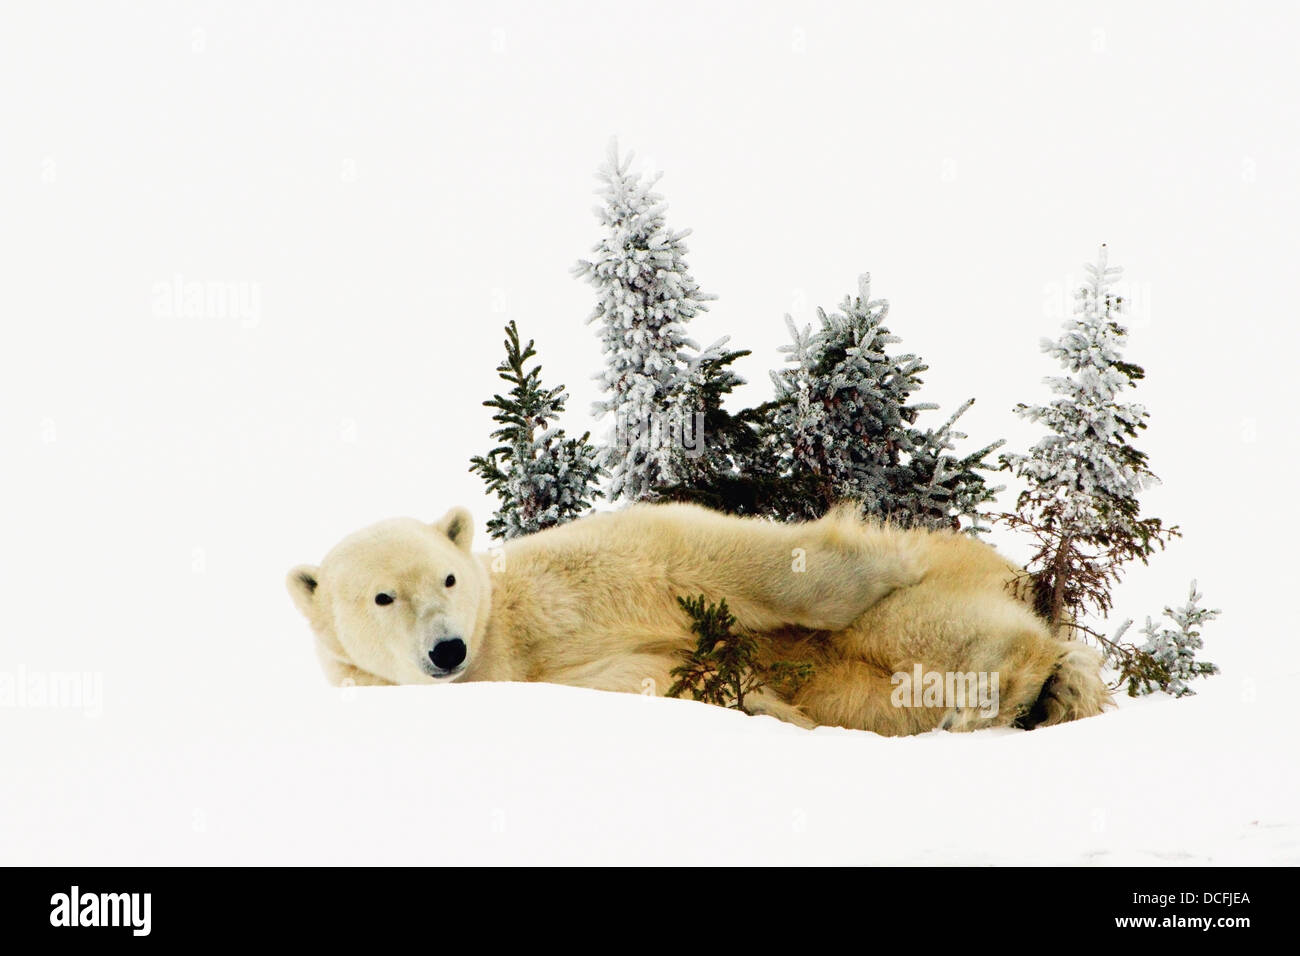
(448, 654)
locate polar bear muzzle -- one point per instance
(447, 656)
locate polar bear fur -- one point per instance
(593, 604)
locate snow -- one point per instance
(535, 773)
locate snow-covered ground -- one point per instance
(533, 773)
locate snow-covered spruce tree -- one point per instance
(645, 298)
(841, 407)
(938, 488)
(1167, 660)
(540, 477)
(842, 425)
(726, 463)
(1083, 477)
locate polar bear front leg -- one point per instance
(820, 575)
(765, 703)
(341, 672)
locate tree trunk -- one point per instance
(1059, 564)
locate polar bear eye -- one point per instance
(383, 597)
(450, 582)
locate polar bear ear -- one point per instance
(458, 526)
(302, 582)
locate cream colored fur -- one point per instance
(593, 604)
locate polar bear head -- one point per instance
(402, 601)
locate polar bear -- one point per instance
(906, 630)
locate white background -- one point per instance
(392, 184)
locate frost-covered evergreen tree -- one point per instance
(1084, 476)
(843, 425)
(938, 487)
(1174, 649)
(1167, 660)
(540, 477)
(645, 298)
(719, 447)
(842, 406)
